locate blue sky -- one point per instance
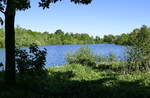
(99, 18)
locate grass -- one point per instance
(80, 72)
(77, 81)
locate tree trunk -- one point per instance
(10, 68)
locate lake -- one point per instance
(56, 53)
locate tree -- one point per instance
(59, 31)
(98, 40)
(109, 38)
(9, 8)
(138, 54)
(122, 39)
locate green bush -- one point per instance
(139, 58)
(101, 58)
(85, 56)
(82, 56)
(139, 53)
(111, 57)
(34, 60)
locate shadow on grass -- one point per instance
(60, 85)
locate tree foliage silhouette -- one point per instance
(9, 8)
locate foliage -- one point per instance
(119, 67)
(45, 3)
(111, 57)
(80, 72)
(101, 58)
(138, 54)
(85, 56)
(82, 56)
(129, 39)
(109, 38)
(26, 37)
(34, 60)
(77, 81)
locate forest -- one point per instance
(25, 37)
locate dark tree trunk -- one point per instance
(10, 69)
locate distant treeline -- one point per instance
(137, 35)
(26, 37)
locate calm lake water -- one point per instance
(56, 53)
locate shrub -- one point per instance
(111, 57)
(138, 59)
(85, 56)
(101, 58)
(33, 60)
(138, 56)
(82, 56)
